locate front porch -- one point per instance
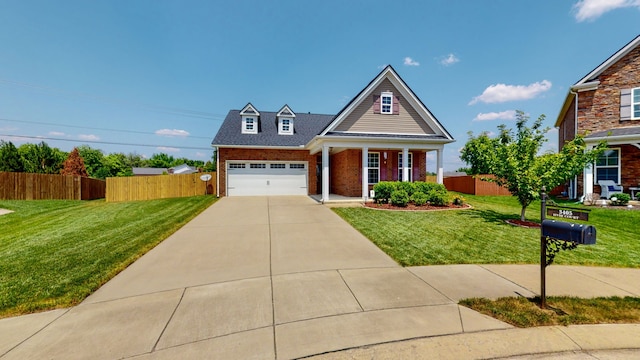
(620, 163)
(350, 170)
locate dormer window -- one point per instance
(285, 121)
(250, 117)
(249, 125)
(285, 126)
(386, 103)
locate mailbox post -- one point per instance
(564, 236)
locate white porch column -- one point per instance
(587, 183)
(440, 173)
(405, 164)
(325, 173)
(365, 173)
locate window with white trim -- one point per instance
(257, 166)
(296, 166)
(635, 103)
(608, 166)
(386, 103)
(236, 166)
(373, 162)
(285, 127)
(277, 166)
(400, 172)
(249, 125)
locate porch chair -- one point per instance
(608, 187)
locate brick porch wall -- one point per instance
(345, 168)
(225, 154)
(630, 170)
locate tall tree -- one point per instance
(93, 159)
(10, 159)
(515, 163)
(74, 165)
(161, 160)
(478, 153)
(40, 158)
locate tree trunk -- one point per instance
(524, 208)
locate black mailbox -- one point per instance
(566, 231)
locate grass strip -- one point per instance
(54, 253)
(562, 310)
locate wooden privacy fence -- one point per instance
(474, 185)
(158, 187)
(28, 186)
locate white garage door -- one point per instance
(254, 178)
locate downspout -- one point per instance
(217, 150)
(575, 132)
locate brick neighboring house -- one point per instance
(384, 132)
(605, 105)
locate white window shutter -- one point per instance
(625, 104)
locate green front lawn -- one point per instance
(55, 253)
(481, 236)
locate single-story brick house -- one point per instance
(605, 105)
(384, 132)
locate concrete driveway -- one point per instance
(267, 278)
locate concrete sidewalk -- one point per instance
(284, 277)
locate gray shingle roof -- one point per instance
(635, 130)
(305, 127)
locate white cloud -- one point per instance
(503, 115)
(500, 93)
(593, 9)
(168, 149)
(449, 60)
(410, 62)
(170, 132)
(200, 154)
(56, 133)
(89, 137)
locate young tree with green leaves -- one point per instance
(514, 161)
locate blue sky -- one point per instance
(119, 74)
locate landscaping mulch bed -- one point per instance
(412, 207)
(525, 224)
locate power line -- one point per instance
(95, 128)
(106, 142)
(157, 108)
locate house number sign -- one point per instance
(568, 213)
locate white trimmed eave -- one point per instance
(611, 60)
(297, 147)
(614, 140)
(318, 142)
(592, 85)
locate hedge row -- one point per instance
(400, 193)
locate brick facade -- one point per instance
(345, 169)
(630, 175)
(599, 110)
(225, 154)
